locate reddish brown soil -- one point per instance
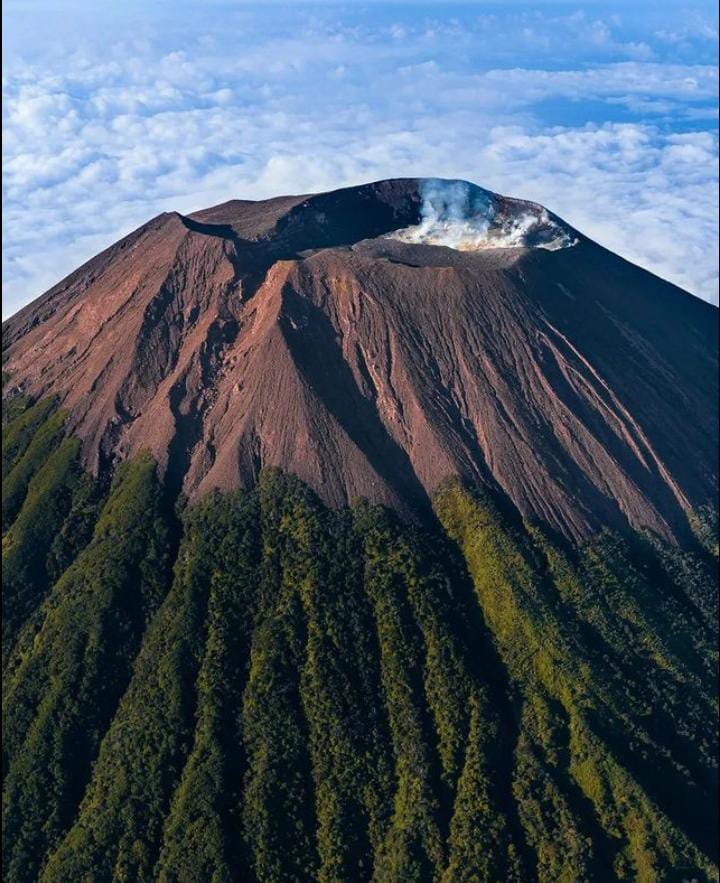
(289, 333)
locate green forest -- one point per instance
(259, 688)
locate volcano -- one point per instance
(361, 536)
(375, 341)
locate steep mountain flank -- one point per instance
(307, 333)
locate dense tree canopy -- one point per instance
(334, 696)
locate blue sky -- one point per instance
(113, 112)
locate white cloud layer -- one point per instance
(618, 139)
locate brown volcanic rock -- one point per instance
(292, 333)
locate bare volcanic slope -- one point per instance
(379, 339)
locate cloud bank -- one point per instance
(609, 122)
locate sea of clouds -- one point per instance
(114, 115)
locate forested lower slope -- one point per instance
(261, 688)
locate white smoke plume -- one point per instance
(463, 216)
